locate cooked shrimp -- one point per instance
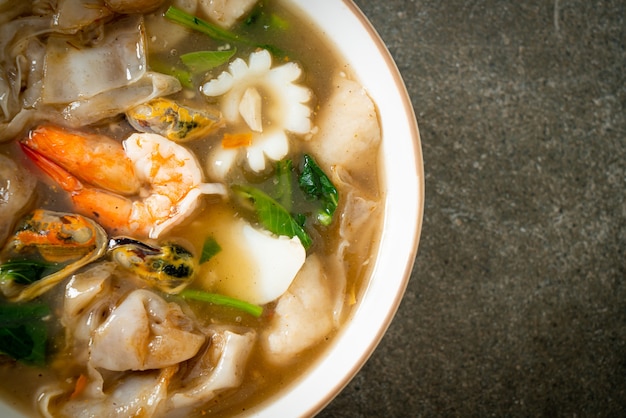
(102, 162)
(169, 175)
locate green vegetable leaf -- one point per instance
(181, 74)
(195, 23)
(269, 21)
(278, 22)
(26, 271)
(192, 22)
(222, 300)
(272, 215)
(209, 249)
(283, 184)
(202, 61)
(23, 333)
(316, 185)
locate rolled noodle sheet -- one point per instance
(76, 72)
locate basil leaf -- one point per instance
(23, 333)
(202, 61)
(316, 185)
(209, 249)
(272, 215)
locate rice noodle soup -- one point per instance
(189, 204)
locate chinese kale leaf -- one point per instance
(23, 332)
(317, 186)
(271, 214)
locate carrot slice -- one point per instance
(230, 141)
(81, 384)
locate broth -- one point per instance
(345, 247)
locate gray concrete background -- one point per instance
(517, 301)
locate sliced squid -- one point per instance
(265, 103)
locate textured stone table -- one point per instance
(517, 301)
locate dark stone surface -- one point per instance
(517, 301)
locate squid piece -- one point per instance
(303, 315)
(144, 332)
(266, 103)
(173, 121)
(206, 376)
(67, 238)
(16, 190)
(349, 131)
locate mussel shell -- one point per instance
(79, 247)
(170, 267)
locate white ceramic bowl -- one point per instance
(365, 52)
(371, 62)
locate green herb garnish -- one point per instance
(192, 22)
(26, 272)
(316, 185)
(283, 192)
(272, 215)
(181, 74)
(209, 249)
(269, 21)
(23, 332)
(222, 300)
(202, 61)
(195, 23)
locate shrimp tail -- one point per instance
(109, 209)
(62, 177)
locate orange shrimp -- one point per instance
(102, 161)
(169, 178)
